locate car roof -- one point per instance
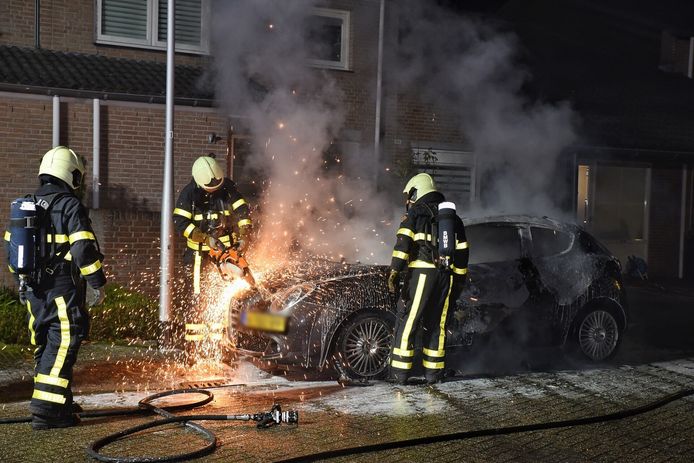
(520, 220)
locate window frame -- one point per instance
(152, 42)
(533, 251)
(519, 229)
(447, 158)
(345, 49)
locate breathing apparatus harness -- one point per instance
(440, 231)
(30, 255)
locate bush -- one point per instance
(13, 318)
(123, 315)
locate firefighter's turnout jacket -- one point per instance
(217, 214)
(429, 291)
(58, 321)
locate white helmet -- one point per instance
(65, 164)
(207, 173)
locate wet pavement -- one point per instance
(532, 388)
(333, 417)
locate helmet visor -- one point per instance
(213, 185)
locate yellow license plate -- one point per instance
(262, 321)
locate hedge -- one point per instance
(124, 315)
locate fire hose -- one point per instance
(264, 419)
(398, 444)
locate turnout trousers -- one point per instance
(58, 324)
(427, 297)
(200, 290)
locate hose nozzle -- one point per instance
(276, 416)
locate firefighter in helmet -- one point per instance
(211, 215)
(69, 274)
(431, 287)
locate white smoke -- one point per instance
(294, 112)
(472, 67)
(311, 199)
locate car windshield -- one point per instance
(493, 243)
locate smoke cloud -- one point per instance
(327, 203)
(473, 66)
(313, 197)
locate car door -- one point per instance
(496, 286)
(563, 270)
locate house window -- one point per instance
(142, 24)
(453, 172)
(328, 38)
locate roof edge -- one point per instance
(93, 94)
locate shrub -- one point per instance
(123, 315)
(13, 318)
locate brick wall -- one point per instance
(69, 25)
(132, 150)
(664, 222)
(130, 241)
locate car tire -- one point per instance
(362, 347)
(596, 334)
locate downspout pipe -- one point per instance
(683, 216)
(167, 235)
(379, 89)
(56, 121)
(96, 147)
(37, 24)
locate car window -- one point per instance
(493, 243)
(549, 242)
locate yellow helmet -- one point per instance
(418, 186)
(65, 164)
(207, 173)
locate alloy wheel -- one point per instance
(367, 346)
(598, 335)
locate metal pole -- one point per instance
(379, 84)
(37, 24)
(96, 149)
(56, 121)
(683, 214)
(230, 151)
(167, 257)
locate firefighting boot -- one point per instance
(398, 376)
(42, 423)
(434, 376)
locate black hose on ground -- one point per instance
(142, 409)
(265, 419)
(492, 431)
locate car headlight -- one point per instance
(289, 298)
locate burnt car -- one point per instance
(546, 282)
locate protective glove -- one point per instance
(215, 244)
(393, 280)
(95, 296)
(244, 238)
(23, 297)
(241, 245)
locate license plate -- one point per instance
(262, 321)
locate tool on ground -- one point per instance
(231, 265)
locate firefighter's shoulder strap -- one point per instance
(48, 254)
(431, 232)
